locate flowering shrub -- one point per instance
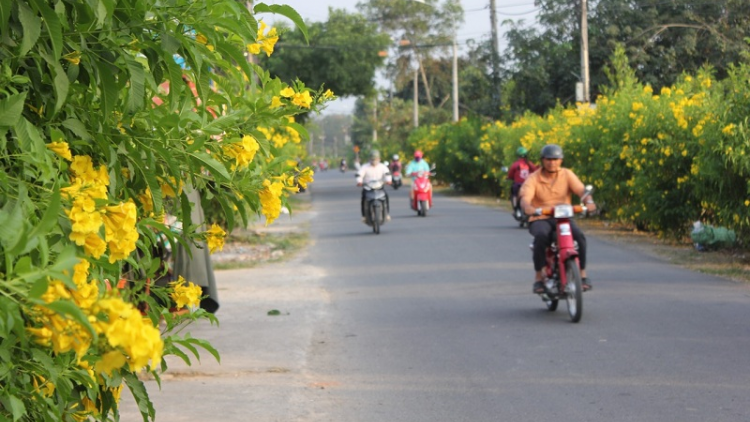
(659, 160)
(112, 112)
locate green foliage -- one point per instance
(659, 160)
(341, 53)
(103, 134)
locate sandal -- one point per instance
(539, 287)
(586, 284)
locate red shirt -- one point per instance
(521, 169)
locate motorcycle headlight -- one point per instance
(564, 211)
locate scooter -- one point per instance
(422, 188)
(396, 180)
(375, 205)
(563, 271)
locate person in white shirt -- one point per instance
(374, 170)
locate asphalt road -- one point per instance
(434, 320)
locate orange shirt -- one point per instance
(542, 191)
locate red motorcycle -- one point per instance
(422, 189)
(563, 271)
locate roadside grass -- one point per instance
(732, 264)
(248, 248)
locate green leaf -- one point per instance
(108, 86)
(186, 344)
(11, 109)
(70, 309)
(12, 221)
(228, 211)
(137, 84)
(61, 82)
(17, 407)
(5, 6)
(140, 394)
(32, 28)
(208, 347)
(51, 214)
(104, 9)
(286, 11)
(31, 142)
(149, 176)
(274, 312)
(78, 128)
(66, 260)
(54, 28)
(216, 168)
(39, 288)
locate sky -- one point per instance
(476, 23)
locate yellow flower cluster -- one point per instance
(130, 338)
(300, 99)
(270, 199)
(60, 148)
(305, 177)
(215, 238)
(280, 138)
(87, 186)
(242, 152)
(134, 338)
(185, 293)
(265, 41)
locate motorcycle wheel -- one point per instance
(574, 290)
(423, 208)
(375, 218)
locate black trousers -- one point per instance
(544, 231)
(387, 203)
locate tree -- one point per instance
(663, 40)
(342, 53)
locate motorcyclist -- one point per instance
(374, 170)
(342, 164)
(552, 186)
(413, 168)
(518, 172)
(395, 164)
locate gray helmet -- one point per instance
(552, 151)
(374, 154)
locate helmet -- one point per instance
(552, 151)
(418, 154)
(521, 152)
(374, 154)
(395, 157)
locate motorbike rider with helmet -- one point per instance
(395, 164)
(519, 171)
(374, 170)
(413, 168)
(551, 186)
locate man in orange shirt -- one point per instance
(552, 185)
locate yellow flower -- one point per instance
(201, 39)
(110, 361)
(305, 177)
(215, 238)
(729, 129)
(270, 200)
(328, 94)
(119, 229)
(73, 57)
(60, 148)
(242, 152)
(185, 293)
(287, 92)
(276, 102)
(302, 99)
(254, 48)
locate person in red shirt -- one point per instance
(518, 173)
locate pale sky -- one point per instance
(476, 23)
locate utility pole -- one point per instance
(585, 52)
(455, 79)
(375, 121)
(495, 59)
(416, 96)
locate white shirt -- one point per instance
(370, 172)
